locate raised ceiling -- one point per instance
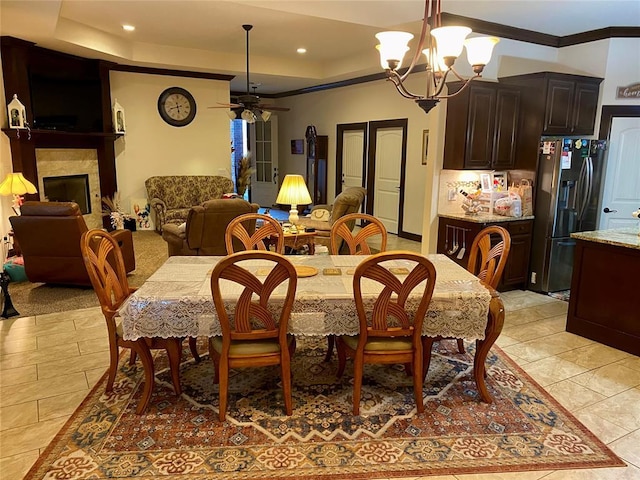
(206, 35)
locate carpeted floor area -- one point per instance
(31, 299)
(181, 437)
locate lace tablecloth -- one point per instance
(176, 300)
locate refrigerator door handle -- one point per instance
(588, 187)
(581, 188)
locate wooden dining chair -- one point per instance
(267, 227)
(356, 244)
(105, 265)
(256, 337)
(341, 234)
(389, 333)
(487, 258)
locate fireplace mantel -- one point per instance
(56, 136)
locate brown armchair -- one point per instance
(49, 237)
(204, 231)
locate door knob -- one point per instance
(608, 210)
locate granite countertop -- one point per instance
(621, 237)
(484, 217)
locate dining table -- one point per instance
(176, 302)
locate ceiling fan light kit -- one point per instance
(249, 107)
(441, 46)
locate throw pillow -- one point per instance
(321, 214)
(182, 227)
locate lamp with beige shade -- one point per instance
(293, 192)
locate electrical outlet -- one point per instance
(533, 277)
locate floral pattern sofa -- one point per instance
(172, 196)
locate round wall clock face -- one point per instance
(177, 107)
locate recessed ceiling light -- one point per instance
(302, 50)
(128, 28)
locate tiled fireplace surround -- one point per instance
(55, 162)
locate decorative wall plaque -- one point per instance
(630, 91)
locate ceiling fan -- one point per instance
(248, 106)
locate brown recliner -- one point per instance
(49, 233)
(203, 233)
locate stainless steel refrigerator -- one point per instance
(567, 199)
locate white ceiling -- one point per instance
(206, 35)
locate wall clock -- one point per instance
(176, 106)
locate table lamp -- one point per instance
(15, 184)
(293, 192)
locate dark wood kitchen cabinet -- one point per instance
(482, 127)
(562, 104)
(453, 231)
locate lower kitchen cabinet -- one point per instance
(455, 237)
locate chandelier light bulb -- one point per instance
(450, 40)
(392, 47)
(437, 63)
(265, 116)
(479, 49)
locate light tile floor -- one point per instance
(49, 363)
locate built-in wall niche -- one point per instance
(69, 188)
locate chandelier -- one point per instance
(441, 46)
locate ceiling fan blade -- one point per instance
(275, 109)
(228, 105)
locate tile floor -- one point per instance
(49, 363)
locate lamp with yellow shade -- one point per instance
(15, 184)
(293, 192)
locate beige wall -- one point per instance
(5, 164)
(153, 147)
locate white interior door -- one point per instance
(353, 142)
(621, 191)
(388, 160)
(264, 147)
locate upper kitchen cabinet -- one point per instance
(564, 104)
(482, 127)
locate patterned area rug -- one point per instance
(181, 437)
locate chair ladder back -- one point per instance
(248, 311)
(385, 306)
(269, 228)
(487, 261)
(105, 266)
(357, 243)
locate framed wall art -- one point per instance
(297, 147)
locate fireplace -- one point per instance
(69, 188)
(71, 174)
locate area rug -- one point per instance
(181, 437)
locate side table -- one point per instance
(297, 240)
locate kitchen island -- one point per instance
(605, 286)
